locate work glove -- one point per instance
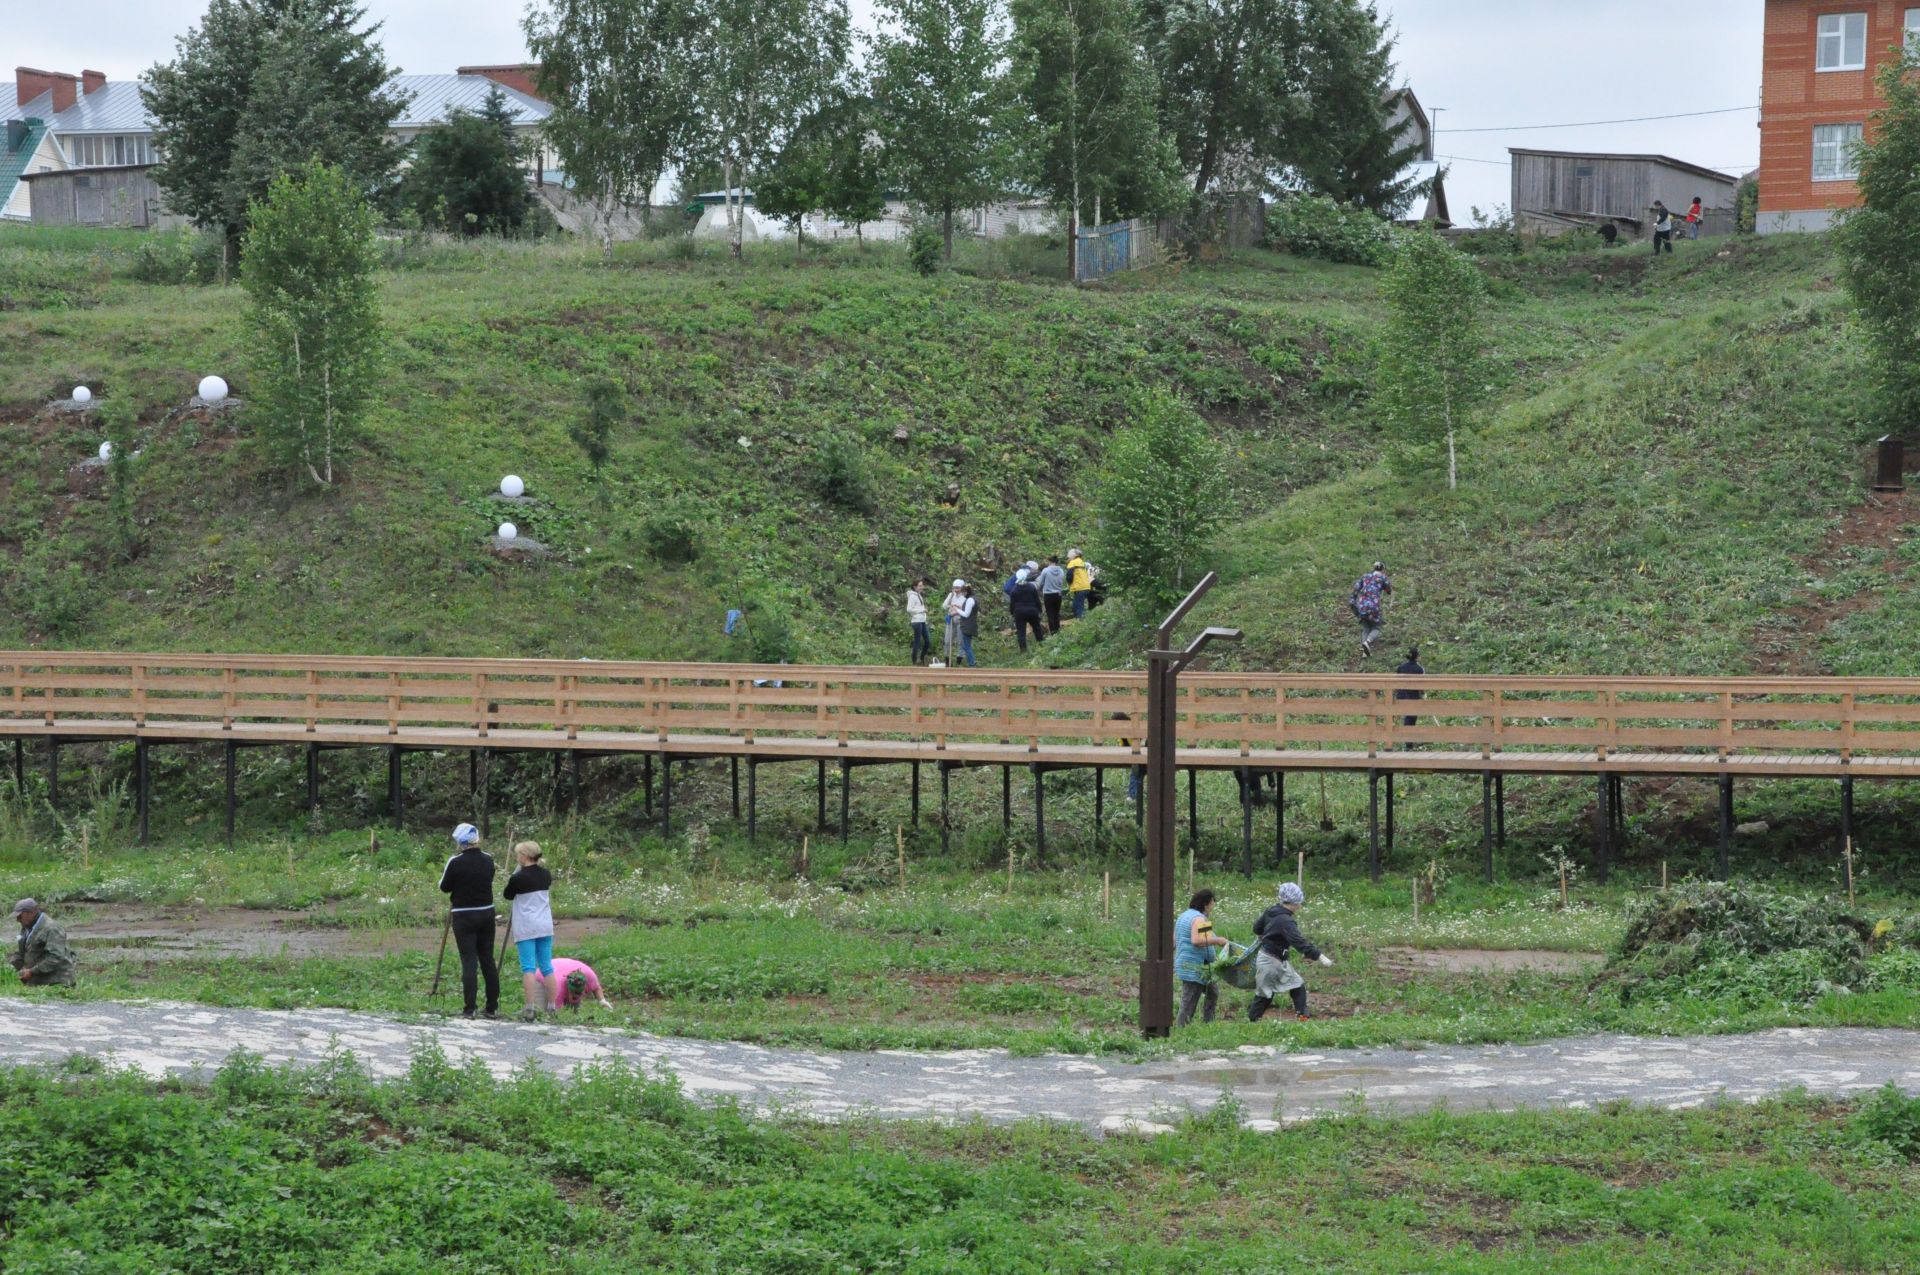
(1326, 960)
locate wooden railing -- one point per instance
(638, 706)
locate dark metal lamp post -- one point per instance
(1164, 665)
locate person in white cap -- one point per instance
(43, 957)
(963, 621)
(467, 880)
(1273, 973)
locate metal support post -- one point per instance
(313, 778)
(733, 775)
(820, 794)
(916, 796)
(846, 795)
(1247, 781)
(1193, 813)
(1279, 818)
(1099, 808)
(1389, 811)
(1603, 829)
(484, 756)
(1486, 821)
(232, 757)
(20, 768)
(1726, 825)
(1006, 802)
(143, 780)
(946, 821)
(1373, 824)
(753, 799)
(396, 799)
(1500, 810)
(666, 795)
(1846, 811)
(1039, 816)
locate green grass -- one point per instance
(290, 1171)
(712, 938)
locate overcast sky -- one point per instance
(1486, 63)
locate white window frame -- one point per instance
(1835, 42)
(1845, 167)
(1912, 27)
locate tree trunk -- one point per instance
(947, 211)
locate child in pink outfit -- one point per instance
(573, 991)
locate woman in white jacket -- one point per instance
(529, 889)
(917, 617)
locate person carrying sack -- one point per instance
(467, 880)
(1279, 935)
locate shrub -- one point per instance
(1893, 1119)
(671, 533)
(52, 587)
(924, 247)
(842, 474)
(1316, 226)
(179, 257)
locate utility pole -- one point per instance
(1164, 665)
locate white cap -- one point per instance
(1020, 576)
(959, 584)
(1073, 553)
(1033, 566)
(466, 835)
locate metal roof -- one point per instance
(117, 107)
(1667, 160)
(432, 98)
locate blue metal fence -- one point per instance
(1104, 250)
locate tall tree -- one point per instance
(621, 75)
(941, 92)
(1880, 243)
(1348, 152)
(312, 316)
(1164, 500)
(262, 85)
(763, 66)
(469, 176)
(1432, 359)
(1247, 86)
(797, 182)
(856, 165)
(1092, 140)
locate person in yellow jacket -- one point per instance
(1079, 582)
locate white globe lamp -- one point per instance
(106, 451)
(512, 487)
(508, 531)
(81, 394)
(213, 391)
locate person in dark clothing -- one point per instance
(1025, 604)
(1412, 668)
(1662, 228)
(43, 956)
(468, 881)
(1273, 973)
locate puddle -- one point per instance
(1271, 1077)
(136, 932)
(1482, 961)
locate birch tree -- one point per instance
(761, 67)
(1164, 500)
(1433, 362)
(312, 317)
(621, 75)
(941, 91)
(1093, 140)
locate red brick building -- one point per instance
(1817, 94)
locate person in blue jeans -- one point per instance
(967, 622)
(530, 889)
(1193, 950)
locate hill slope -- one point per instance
(1662, 488)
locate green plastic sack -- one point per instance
(1234, 967)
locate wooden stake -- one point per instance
(900, 845)
(1563, 883)
(1300, 870)
(1416, 900)
(1663, 875)
(1849, 871)
(1106, 896)
(1009, 865)
(806, 845)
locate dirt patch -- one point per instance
(1790, 644)
(1453, 960)
(135, 932)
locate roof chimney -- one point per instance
(522, 77)
(92, 81)
(29, 84)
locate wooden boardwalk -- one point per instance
(1039, 720)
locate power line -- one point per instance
(1638, 119)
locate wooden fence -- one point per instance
(1653, 724)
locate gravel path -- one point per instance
(161, 1038)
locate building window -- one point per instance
(1913, 27)
(1833, 152)
(1842, 42)
(117, 149)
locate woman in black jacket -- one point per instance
(1025, 604)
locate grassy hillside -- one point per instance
(1672, 442)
